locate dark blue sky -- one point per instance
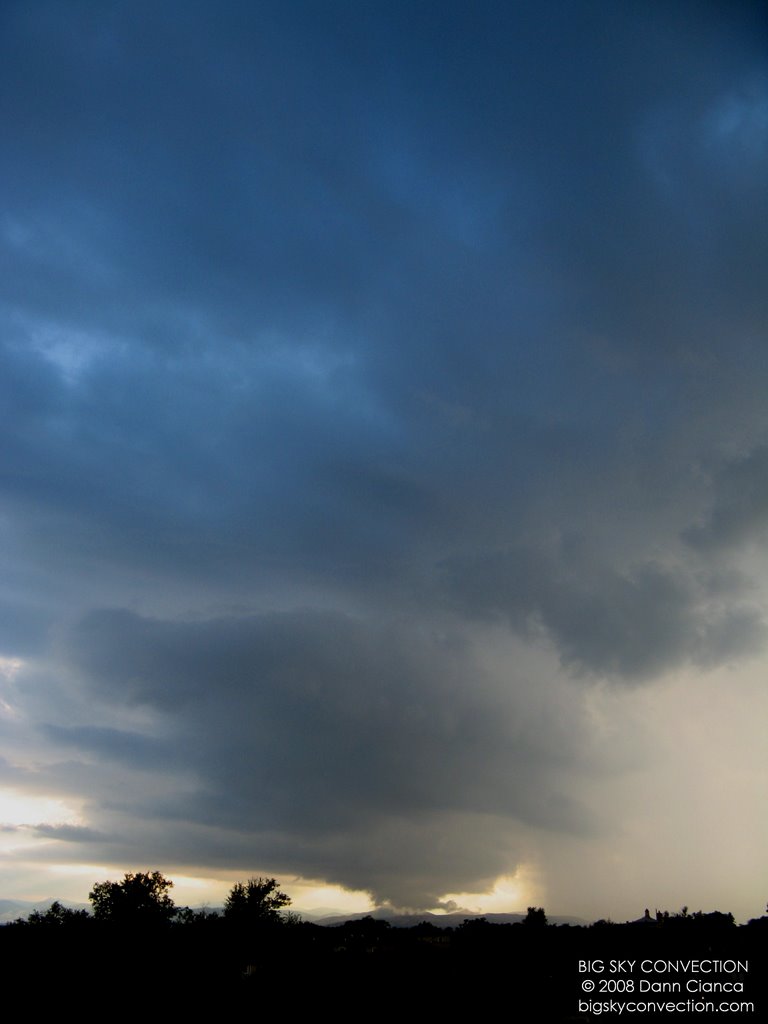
(384, 421)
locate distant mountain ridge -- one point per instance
(439, 920)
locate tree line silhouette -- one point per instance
(255, 939)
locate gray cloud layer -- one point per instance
(344, 734)
(332, 334)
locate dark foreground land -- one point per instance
(530, 971)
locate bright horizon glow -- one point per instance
(309, 896)
(511, 894)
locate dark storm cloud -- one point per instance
(392, 314)
(304, 697)
(333, 743)
(633, 624)
(739, 510)
(70, 833)
(113, 745)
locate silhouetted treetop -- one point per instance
(58, 915)
(535, 917)
(141, 898)
(257, 901)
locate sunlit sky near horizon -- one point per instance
(384, 473)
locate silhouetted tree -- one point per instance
(141, 898)
(474, 924)
(58, 916)
(535, 918)
(255, 902)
